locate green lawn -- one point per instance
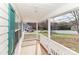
(70, 41)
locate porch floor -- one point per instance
(31, 46)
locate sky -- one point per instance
(64, 18)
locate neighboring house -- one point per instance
(74, 27)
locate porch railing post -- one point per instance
(49, 37)
(49, 28)
(37, 28)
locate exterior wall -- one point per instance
(3, 29)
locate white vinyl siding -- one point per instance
(3, 29)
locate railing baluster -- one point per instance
(55, 48)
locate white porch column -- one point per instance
(49, 28)
(22, 26)
(37, 28)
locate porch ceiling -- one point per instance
(34, 12)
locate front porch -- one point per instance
(33, 44)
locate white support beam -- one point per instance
(49, 28)
(22, 27)
(49, 37)
(37, 28)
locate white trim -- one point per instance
(49, 28)
(18, 47)
(17, 30)
(37, 28)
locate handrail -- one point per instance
(55, 48)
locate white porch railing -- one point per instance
(55, 48)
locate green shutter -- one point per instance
(11, 29)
